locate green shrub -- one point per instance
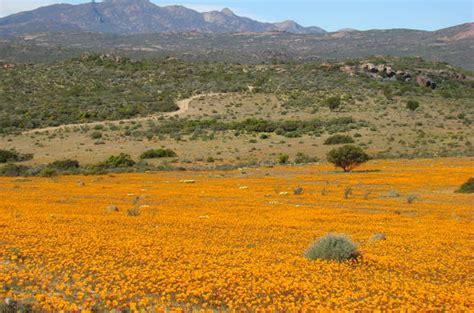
(13, 170)
(332, 247)
(412, 105)
(13, 156)
(96, 135)
(467, 187)
(65, 165)
(332, 102)
(8, 156)
(338, 139)
(117, 161)
(302, 158)
(347, 157)
(48, 172)
(133, 211)
(283, 158)
(158, 153)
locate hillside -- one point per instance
(136, 17)
(246, 114)
(452, 45)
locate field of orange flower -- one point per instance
(235, 240)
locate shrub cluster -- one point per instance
(287, 128)
(338, 139)
(158, 153)
(14, 156)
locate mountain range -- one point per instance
(138, 17)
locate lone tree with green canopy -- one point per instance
(347, 157)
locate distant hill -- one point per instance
(453, 45)
(137, 17)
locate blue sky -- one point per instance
(328, 14)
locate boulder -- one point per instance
(390, 72)
(425, 81)
(377, 237)
(370, 67)
(381, 68)
(112, 208)
(406, 77)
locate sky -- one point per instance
(328, 14)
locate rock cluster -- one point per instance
(386, 72)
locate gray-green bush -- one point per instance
(332, 247)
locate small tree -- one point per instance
(347, 157)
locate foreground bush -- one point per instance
(347, 157)
(338, 139)
(332, 247)
(158, 153)
(467, 187)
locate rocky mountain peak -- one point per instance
(227, 12)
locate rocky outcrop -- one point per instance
(425, 81)
(386, 72)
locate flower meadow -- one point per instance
(234, 241)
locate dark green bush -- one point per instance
(14, 170)
(347, 157)
(158, 153)
(283, 158)
(412, 105)
(332, 102)
(118, 161)
(96, 135)
(48, 172)
(302, 158)
(13, 156)
(467, 187)
(65, 165)
(338, 139)
(332, 247)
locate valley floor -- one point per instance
(235, 239)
